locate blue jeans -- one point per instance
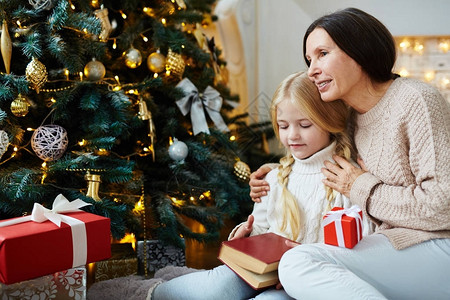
(373, 269)
(218, 283)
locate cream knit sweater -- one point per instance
(404, 142)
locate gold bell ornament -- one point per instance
(175, 64)
(36, 74)
(102, 15)
(93, 181)
(6, 47)
(19, 106)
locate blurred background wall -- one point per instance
(262, 42)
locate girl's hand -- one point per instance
(342, 175)
(245, 229)
(258, 186)
(291, 244)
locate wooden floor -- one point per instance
(204, 256)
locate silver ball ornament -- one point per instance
(178, 151)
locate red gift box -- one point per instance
(29, 250)
(343, 227)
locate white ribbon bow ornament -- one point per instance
(196, 103)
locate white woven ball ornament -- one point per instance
(42, 4)
(49, 142)
(178, 150)
(4, 142)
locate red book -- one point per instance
(255, 259)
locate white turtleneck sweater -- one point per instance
(305, 183)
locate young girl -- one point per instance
(311, 131)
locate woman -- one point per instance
(401, 129)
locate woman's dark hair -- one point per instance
(363, 38)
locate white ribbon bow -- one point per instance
(336, 217)
(61, 205)
(196, 102)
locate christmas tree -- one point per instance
(122, 104)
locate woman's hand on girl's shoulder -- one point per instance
(341, 175)
(258, 186)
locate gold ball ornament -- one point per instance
(36, 74)
(133, 58)
(49, 142)
(19, 106)
(175, 64)
(242, 171)
(94, 70)
(156, 62)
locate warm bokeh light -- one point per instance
(403, 72)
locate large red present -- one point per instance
(35, 247)
(343, 227)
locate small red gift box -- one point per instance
(343, 227)
(31, 249)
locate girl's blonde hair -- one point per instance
(331, 117)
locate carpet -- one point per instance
(133, 287)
